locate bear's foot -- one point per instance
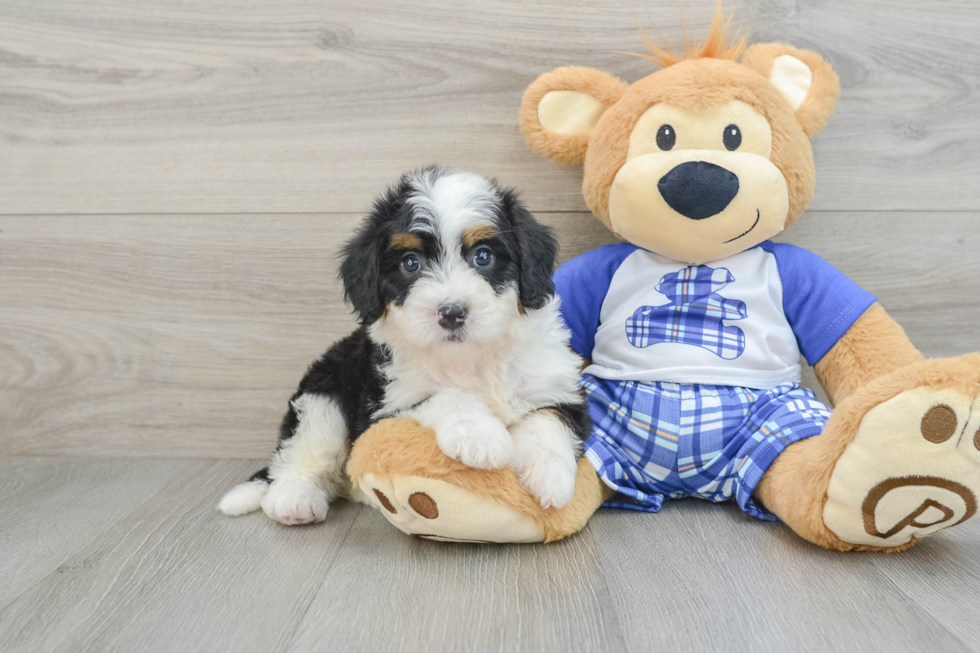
(912, 469)
(438, 510)
(899, 460)
(398, 467)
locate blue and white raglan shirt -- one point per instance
(742, 321)
(694, 388)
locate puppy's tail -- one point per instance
(246, 497)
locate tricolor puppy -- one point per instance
(451, 279)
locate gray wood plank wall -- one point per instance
(175, 180)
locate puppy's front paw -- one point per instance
(295, 501)
(481, 443)
(548, 476)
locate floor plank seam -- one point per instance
(165, 525)
(912, 600)
(287, 645)
(620, 629)
(286, 214)
(68, 556)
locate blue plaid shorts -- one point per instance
(655, 440)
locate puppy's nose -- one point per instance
(698, 189)
(452, 316)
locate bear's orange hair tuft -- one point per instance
(715, 44)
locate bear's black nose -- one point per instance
(698, 189)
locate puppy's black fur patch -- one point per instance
(575, 417)
(370, 269)
(536, 249)
(350, 374)
(360, 269)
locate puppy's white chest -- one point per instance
(498, 387)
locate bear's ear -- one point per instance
(561, 108)
(807, 82)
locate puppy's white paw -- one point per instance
(548, 476)
(295, 501)
(482, 443)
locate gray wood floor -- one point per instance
(130, 555)
(175, 178)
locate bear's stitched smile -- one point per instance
(757, 216)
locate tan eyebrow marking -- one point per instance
(406, 241)
(480, 232)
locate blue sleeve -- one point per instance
(820, 302)
(582, 283)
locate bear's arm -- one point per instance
(842, 331)
(582, 283)
(874, 345)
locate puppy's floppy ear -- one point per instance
(360, 272)
(561, 108)
(537, 249)
(807, 82)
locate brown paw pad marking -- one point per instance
(938, 424)
(385, 502)
(879, 491)
(424, 505)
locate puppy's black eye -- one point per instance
(483, 257)
(411, 263)
(732, 137)
(666, 137)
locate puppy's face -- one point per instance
(447, 260)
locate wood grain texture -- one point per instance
(291, 106)
(185, 335)
(175, 180)
(943, 578)
(426, 596)
(52, 507)
(702, 577)
(175, 575)
(179, 576)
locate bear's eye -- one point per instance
(666, 137)
(732, 137)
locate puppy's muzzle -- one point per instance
(698, 189)
(452, 316)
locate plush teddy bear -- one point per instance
(695, 324)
